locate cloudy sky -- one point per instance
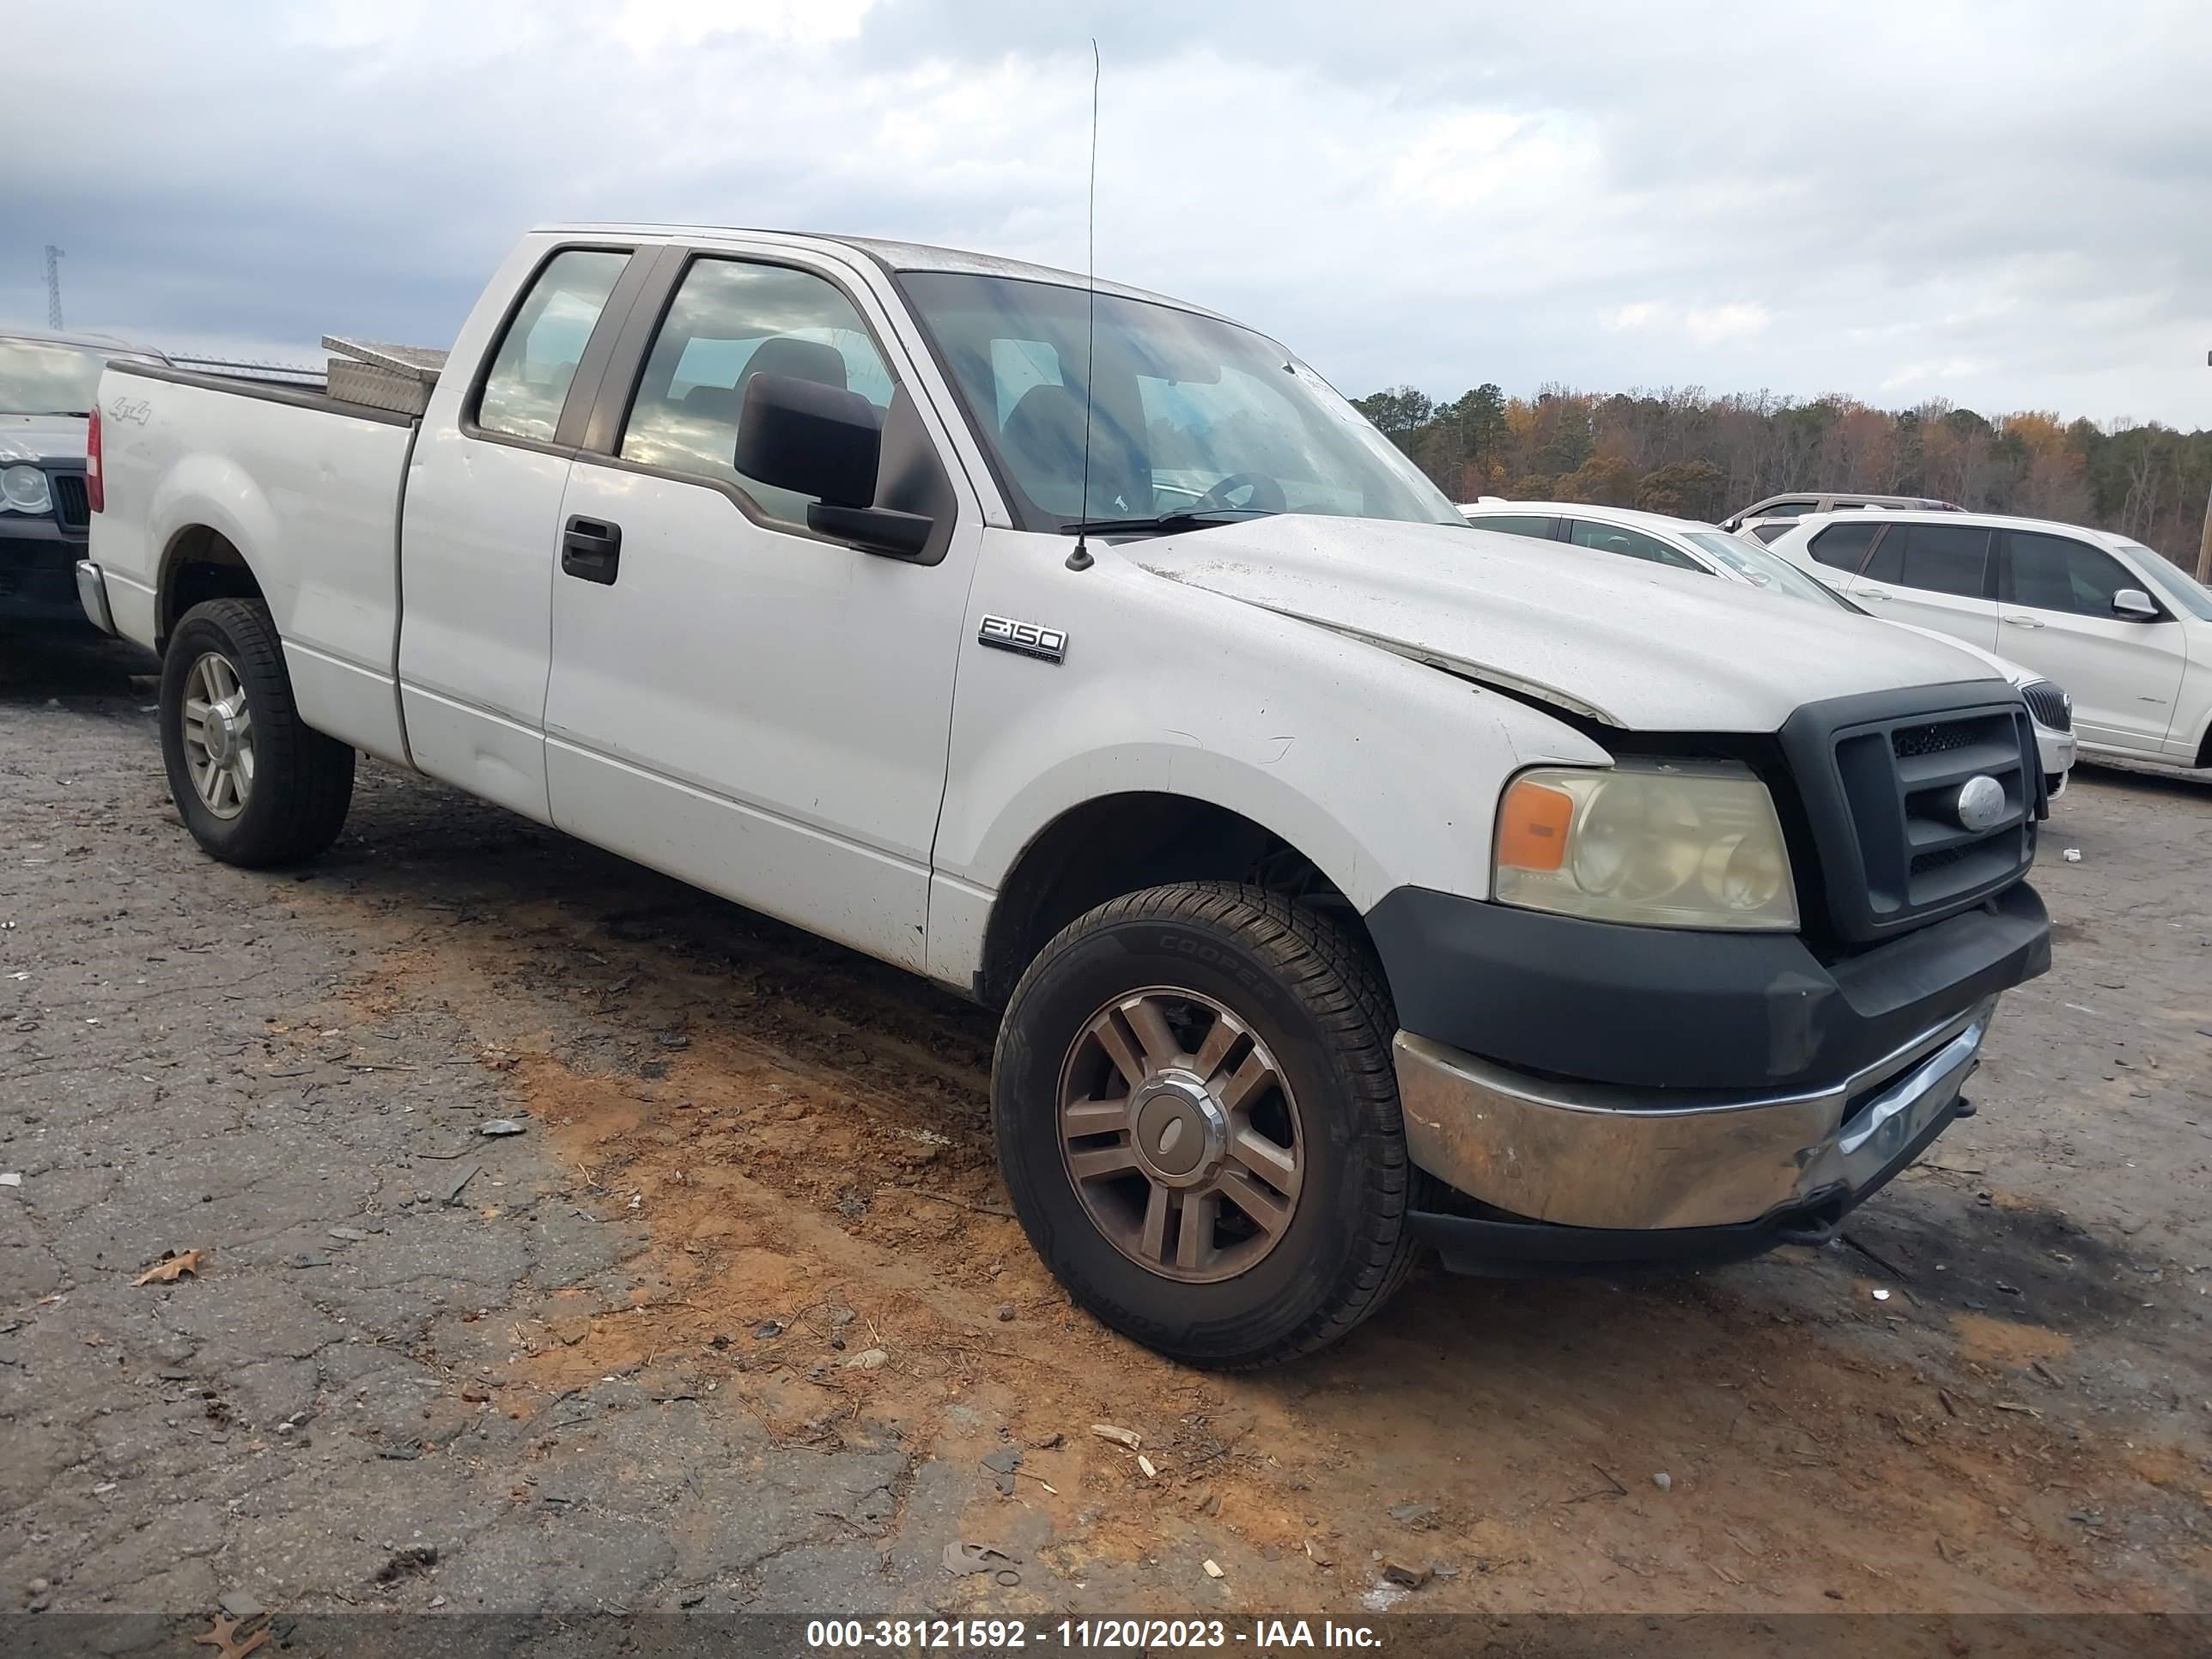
(2007, 207)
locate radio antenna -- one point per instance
(1080, 558)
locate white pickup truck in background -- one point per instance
(1349, 878)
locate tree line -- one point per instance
(1682, 451)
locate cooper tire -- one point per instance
(1307, 1008)
(256, 787)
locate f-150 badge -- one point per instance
(1024, 639)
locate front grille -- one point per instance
(2049, 705)
(1912, 742)
(71, 505)
(1881, 781)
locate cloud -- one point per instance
(1710, 324)
(1573, 193)
(1951, 369)
(1707, 325)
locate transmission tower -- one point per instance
(54, 287)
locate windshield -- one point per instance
(2172, 580)
(1190, 414)
(43, 377)
(1765, 569)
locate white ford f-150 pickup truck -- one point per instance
(1350, 879)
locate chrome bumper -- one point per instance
(2058, 751)
(92, 594)
(1588, 1155)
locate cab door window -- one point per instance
(2057, 573)
(731, 320)
(527, 384)
(1516, 524)
(1936, 558)
(1843, 546)
(1631, 544)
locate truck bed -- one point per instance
(304, 485)
(300, 394)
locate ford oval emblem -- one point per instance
(1981, 803)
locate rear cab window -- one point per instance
(526, 386)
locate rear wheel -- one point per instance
(1198, 1123)
(254, 784)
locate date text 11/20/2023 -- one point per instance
(1258, 1635)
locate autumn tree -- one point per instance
(1684, 451)
(1685, 490)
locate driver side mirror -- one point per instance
(2133, 602)
(827, 442)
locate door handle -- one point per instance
(2025, 622)
(1871, 593)
(590, 550)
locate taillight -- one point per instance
(96, 488)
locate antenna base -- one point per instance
(1080, 559)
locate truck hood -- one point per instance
(2002, 667)
(1637, 647)
(41, 438)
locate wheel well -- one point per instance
(200, 565)
(1123, 843)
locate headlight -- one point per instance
(1684, 844)
(24, 489)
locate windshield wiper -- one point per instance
(1182, 519)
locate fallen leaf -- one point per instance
(961, 1557)
(225, 1640)
(171, 1267)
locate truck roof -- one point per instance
(891, 255)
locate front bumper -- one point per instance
(38, 581)
(1683, 1011)
(2057, 750)
(1598, 1094)
(1693, 1178)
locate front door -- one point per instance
(2054, 615)
(1932, 576)
(736, 699)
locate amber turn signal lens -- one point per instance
(1532, 827)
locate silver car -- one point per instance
(46, 387)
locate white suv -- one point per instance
(1688, 544)
(2127, 633)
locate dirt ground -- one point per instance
(735, 1321)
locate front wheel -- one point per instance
(254, 784)
(1199, 1124)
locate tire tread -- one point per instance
(1338, 983)
(311, 775)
